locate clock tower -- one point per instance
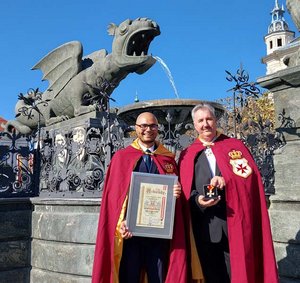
(278, 37)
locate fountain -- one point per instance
(74, 154)
(168, 72)
(178, 109)
(174, 116)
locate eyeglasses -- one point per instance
(145, 126)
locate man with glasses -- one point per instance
(119, 256)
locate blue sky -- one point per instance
(199, 40)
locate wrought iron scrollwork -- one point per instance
(257, 133)
(71, 162)
(242, 90)
(16, 166)
(75, 159)
(32, 100)
(170, 135)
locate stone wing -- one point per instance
(60, 66)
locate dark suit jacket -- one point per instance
(209, 224)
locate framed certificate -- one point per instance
(151, 205)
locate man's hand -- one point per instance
(207, 203)
(216, 181)
(125, 233)
(177, 190)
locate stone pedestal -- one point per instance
(47, 240)
(15, 241)
(63, 239)
(285, 204)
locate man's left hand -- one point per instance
(177, 190)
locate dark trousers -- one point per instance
(140, 253)
(215, 261)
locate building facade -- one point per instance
(280, 41)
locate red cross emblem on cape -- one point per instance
(240, 165)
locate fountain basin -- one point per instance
(179, 109)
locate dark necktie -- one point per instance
(148, 160)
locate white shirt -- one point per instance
(211, 160)
(145, 148)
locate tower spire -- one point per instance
(278, 22)
(277, 38)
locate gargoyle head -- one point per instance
(131, 43)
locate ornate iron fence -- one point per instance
(74, 159)
(71, 159)
(252, 123)
(17, 157)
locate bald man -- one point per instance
(120, 256)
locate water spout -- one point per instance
(168, 72)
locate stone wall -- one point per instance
(15, 240)
(63, 240)
(285, 213)
(47, 240)
(285, 204)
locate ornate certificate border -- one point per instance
(151, 205)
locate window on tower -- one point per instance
(271, 44)
(279, 42)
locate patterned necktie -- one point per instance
(148, 160)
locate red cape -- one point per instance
(250, 242)
(116, 187)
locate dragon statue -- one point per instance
(78, 85)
